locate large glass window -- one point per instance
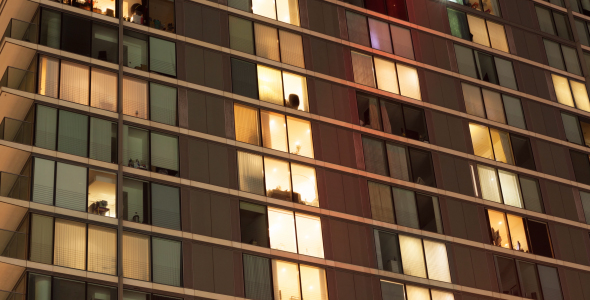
(253, 224)
(135, 97)
(151, 203)
(293, 281)
(517, 233)
(135, 50)
(257, 277)
(164, 154)
(74, 79)
(485, 67)
(105, 41)
(102, 250)
(103, 89)
(162, 56)
(553, 23)
(297, 233)
(135, 147)
(167, 261)
(163, 104)
(477, 30)
(136, 256)
(515, 190)
(102, 191)
(494, 106)
(498, 145)
(562, 57)
(571, 93)
(274, 86)
(520, 278)
(158, 14)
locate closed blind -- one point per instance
(549, 282)
(309, 235)
(257, 281)
(381, 202)
(165, 206)
(440, 295)
(405, 208)
(246, 119)
(357, 29)
(281, 227)
(562, 90)
(412, 256)
(136, 256)
(103, 90)
(70, 184)
(244, 80)
(70, 244)
(510, 188)
(102, 250)
(43, 181)
(494, 107)
(48, 76)
(374, 156)
(274, 130)
(488, 182)
(267, 42)
(135, 145)
(164, 151)
(288, 11)
(135, 97)
(74, 83)
(241, 35)
(313, 283)
(291, 49)
(409, 83)
(380, 37)
(101, 139)
(386, 75)
(417, 293)
(251, 175)
(270, 85)
(167, 261)
(437, 261)
(473, 100)
(392, 290)
(532, 196)
(162, 56)
(41, 239)
(362, 66)
(398, 164)
(402, 41)
(497, 36)
(163, 103)
(72, 137)
(285, 280)
(46, 127)
(299, 133)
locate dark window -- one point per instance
(163, 100)
(416, 210)
(507, 276)
(572, 130)
(427, 212)
(165, 206)
(358, 30)
(529, 279)
(162, 56)
(585, 125)
(415, 124)
(531, 194)
(422, 168)
(135, 50)
(388, 256)
(257, 277)
(539, 238)
(136, 201)
(68, 289)
(39, 286)
(166, 261)
(96, 292)
(514, 114)
(553, 23)
(368, 108)
(105, 45)
(393, 119)
(50, 29)
(550, 282)
(253, 224)
(581, 166)
(76, 33)
(241, 35)
(459, 25)
(521, 149)
(392, 291)
(381, 202)
(374, 156)
(486, 68)
(244, 78)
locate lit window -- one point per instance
(482, 144)
(48, 76)
(102, 193)
(288, 11)
(136, 148)
(246, 121)
(136, 256)
(278, 178)
(286, 280)
(295, 91)
(386, 75)
(409, 83)
(103, 90)
(313, 283)
(250, 173)
(164, 154)
(102, 250)
(281, 229)
(135, 97)
(304, 185)
(309, 235)
(569, 91)
(488, 182)
(270, 85)
(274, 131)
(514, 232)
(299, 133)
(437, 261)
(70, 244)
(74, 82)
(412, 256)
(267, 41)
(499, 229)
(517, 233)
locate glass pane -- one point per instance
(554, 54)
(163, 103)
(523, 155)
(48, 76)
(105, 39)
(270, 86)
(265, 8)
(304, 185)
(162, 56)
(562, 26)
(43, 181)
(417, 293)
(499, 229)
(102, 250)
(380, 37)
(241, 35)
(46, 129)
(167, 259)
(514, 114)
(253, 224)
(562, 90)
(136, 48)
(485, 67)
(72, 137)
(488, 183)
(50, 34)
(70, 244)
(582, 32)
(550, 282)
(465, 61)
(539, 238)
(402, 42)
(41, 239)
(164, 154)
(473, 100)
(313, 283)
(501, 143)
(482, 144)
(530, 280)
(74, 83)
(103, 140)
(103, 90)
(135, 97)
(458, 23)
(440, 295)
(135, 200)
(281, 229)
(309, 235)
(244, 79)
(580, 95)
(102, 193)
(409, 83)
(382, 203)
(392, 291)
(136, 256)
(544, 17)
(274, 131)
(357, 29)
(497, 36)
(300, 141)
(517, 233)
(295, 91)
(437, 261)
(386, 75)
(362, 66)
(422, 168)
(161, 15)
(571, 60)
(428, 213)
(72, 29)
(368, 110)
(165, 206)
(479, 32)
(393, 119)
(531, 194)
(267, 42)
(388, 255)
(398, 162)
(494, 107)
(135, 147)
(405, 208)
(585, 198)
(508, 276)
(257, 277)
(510, 188)
(67, 289)
(412, 256)
(251, 175)
(285, 280)
(288, 11)
(246, 121)
(101, 292)
(374, 156)
(70, 191)
(415, 123)
(291, 46)
(278, 179)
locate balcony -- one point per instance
(11, 296)
(14, 186)
(17, 9)
(21, 30)
(13, 244)
(18, 79)
(17, 131)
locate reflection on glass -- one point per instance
(304, 185)
(300, 142)
(499, 229)
(278, 178)
(102, 193)
(274, 131)
(281, 229)
(517, 233)
(286, 280)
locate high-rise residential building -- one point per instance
(294, 149)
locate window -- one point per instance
(283, 10)
(379, 35)
(253, 224)
(398, 161)
(515, 190)
(162, 56)
(105, 41)
(74, 80)
(103, 89)
(135, 147)
(288, 134)
(161, 157)
(581, 166)
(477, 30)
(151, 203)
(582, 29)
(43, 286)
(244, 78)
(257, 277)
(491, 7)
(571, 93)
(585, 198)
(164, 154)
(485, 67)
(494, 106)
(102, 191)
(135, 97)
(135, 50)
(520, 278)
(417, 257)
(158, 14)
(562, 57)
(167, 261)
(163, 103)
(297, 281)
(520, 234)
(296, 233)
(391, 77)
(72, 29)
(579, 6)
(41, 239)
(501, 146)
(399, 291)
(136, 256)
(284, 180)
(553, 23)
(577, 129)
(102, 250)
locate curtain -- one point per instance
(381, 202)
(164, 151)
(101, 139)
(136, 256)
(267, 42)
(374, 156)
(299, 133)
(412, 256)
(70, 190)
(380, 37)
(580, 95)
(402, 41)
(497, 36)
(313, 283)
(165, 206)
(246, 119)
(309, 235)
(163, 103)
(250, 173)
(437, 261)
(270, 85)
(102, 250)
(257, 280)
(386, 75)
(167, 259)
(357, 29)
(162, 56)
(70, 244)
(72, 137)
(48, 76)
(135, 97)
(481, 141)
(41, 247)
(46, 129)
(510, 188)
(304, 184)
(362, 67)
(103, 90)
(281, 229)
(291, 46)
(488, 182)
(74, 82)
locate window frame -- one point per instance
(485, 111)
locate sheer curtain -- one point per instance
(246, 119)
(103, 90)
(48, 76)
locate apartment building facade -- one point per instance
(294, 149)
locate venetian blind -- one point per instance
(101, 139)
(291, 49)
(362, 66)
(381, 202)
(135, 97)
(48, 76)
(72, 136)
(250, 174)
(437, 261)
(43, 181)
(102, 250)
(74, 82)
(165, 206)
(103, 90)
(136, 256)
(257, 281)
(167, 261)
(267, 42)
(41, 247)
(70, 244)
(163, 103)
(70, 191)
(246, 121)
(405, 208)
(162, 56)
(164, 150)
(488, 182)
(412, 256)
(46, 129)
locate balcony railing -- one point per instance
(21, 30)
(14, 186)
(12, 244)
(18, 79)
(11, 296)
(17, 131)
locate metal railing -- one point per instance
(14, 186)
(18, 79)
(17, 131)
(13, 244)
(11, 296)
(21, 30)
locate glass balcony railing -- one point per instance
(17, 131)
(21, 30)
(14, 186)
(18, 79)
(12, 244)
(11, 296)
